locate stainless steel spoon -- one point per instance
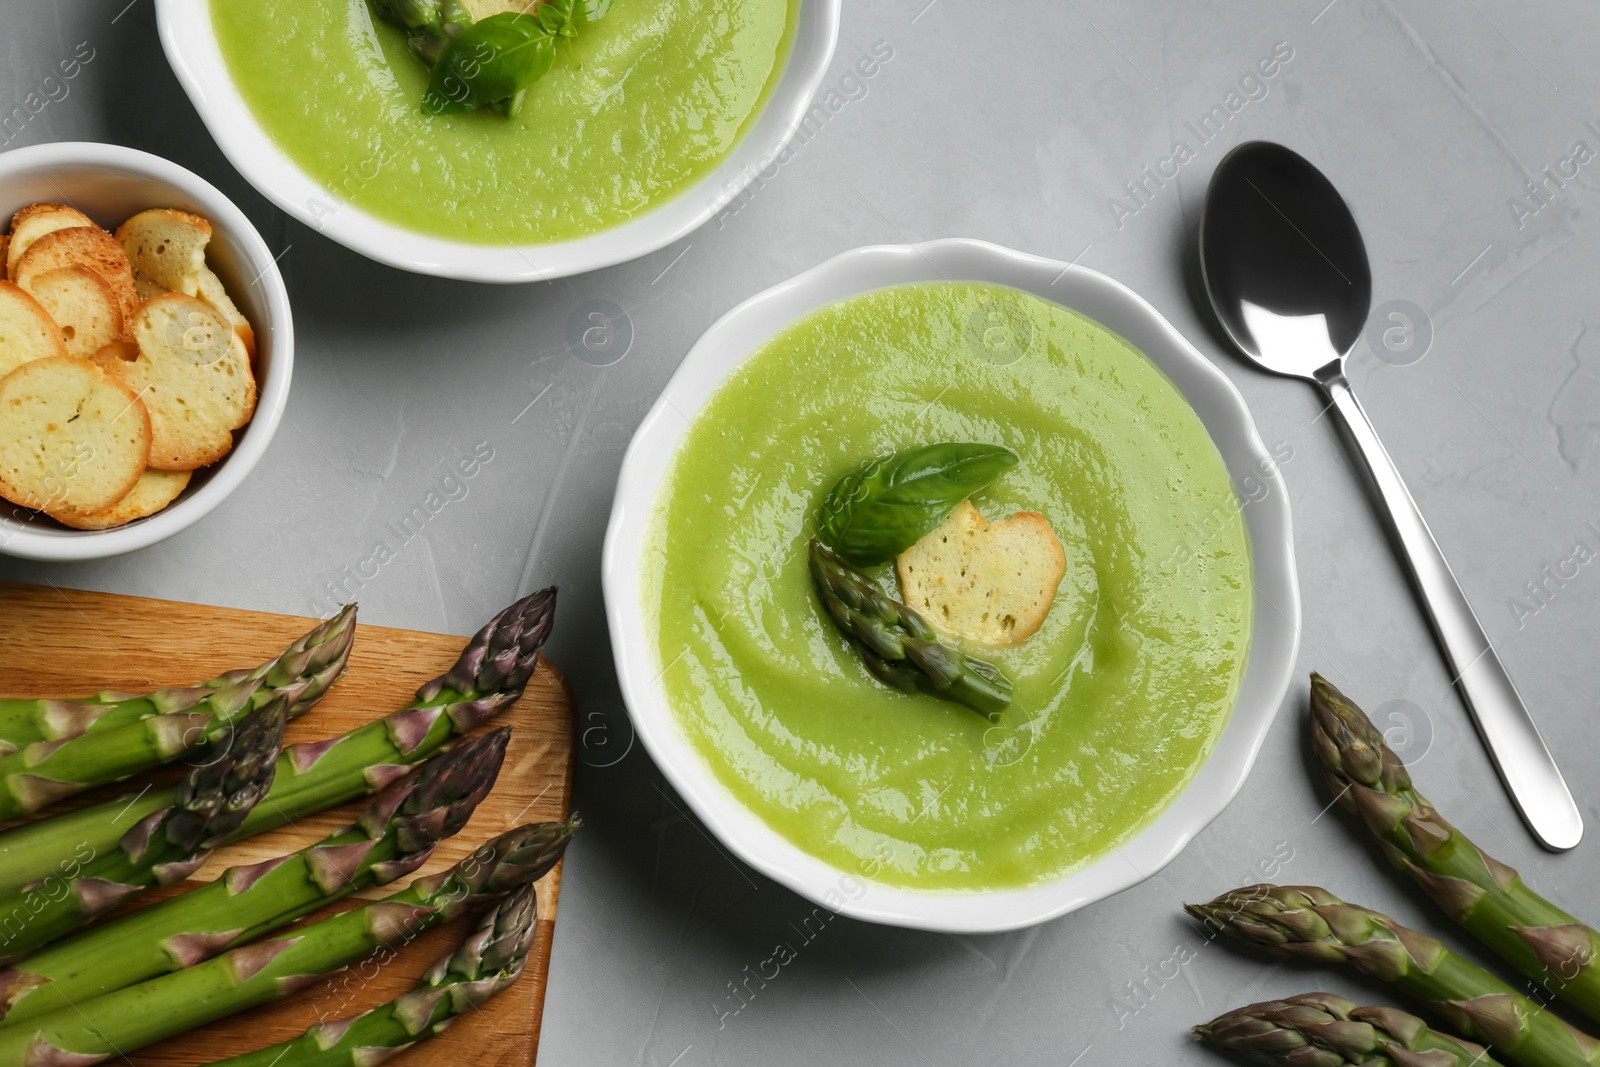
(1286, 272)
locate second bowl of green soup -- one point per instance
(950, 586)
(642, 122)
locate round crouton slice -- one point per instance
(27, 332)
(214, 293)
(71, 436)
(190, 369)
(151, 493)
(168, 247)
(87, 246)
(83, 305)
(991, 583)
(33, 222)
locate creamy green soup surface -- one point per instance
(636, 109)
(1118, 698)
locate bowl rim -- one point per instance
(1273, 649)
(275, 334)
(195, 56)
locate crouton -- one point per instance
(989, 583)
(168, 247)
(71, 436)
(152, 492)
(32, 223)
(27, 332)
(87, 246)
(190, 369)
(83, 305)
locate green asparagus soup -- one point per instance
(1119, 696)
(642, 104)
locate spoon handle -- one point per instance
(1519, 753)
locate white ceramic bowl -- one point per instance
(1273, 645)
(109, 183)
(192, 49)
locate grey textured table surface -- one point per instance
(1017, 123)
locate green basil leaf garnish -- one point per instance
(558, 17)
(492, 61)
(888, 504)
(488, 64)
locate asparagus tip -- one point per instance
(503, 655)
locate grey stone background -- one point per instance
(1017, 123)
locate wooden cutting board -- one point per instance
(66, 643)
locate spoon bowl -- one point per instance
(1283, 261)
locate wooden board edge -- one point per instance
(544, 943)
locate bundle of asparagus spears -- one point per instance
(214, 950)
(1483, 1020)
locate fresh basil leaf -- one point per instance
(559, 17)
(888, 504)
(490, 62)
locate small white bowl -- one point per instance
(192, 49)
(109, 183)
(1273, 645)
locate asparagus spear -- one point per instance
(489, 676)
(486, 963)
(317, 658)
(117, 1023)
(1306, 922)
(898, 646)
(47, 771)
(1322, 1030)
(429, 24)
(165, 847)
(393, 837)
(1472, 887)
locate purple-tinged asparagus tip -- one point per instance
(504, 654)
(437, 799)
(1349, 747)
(316, 659)
(526, 854)
(232, 775)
